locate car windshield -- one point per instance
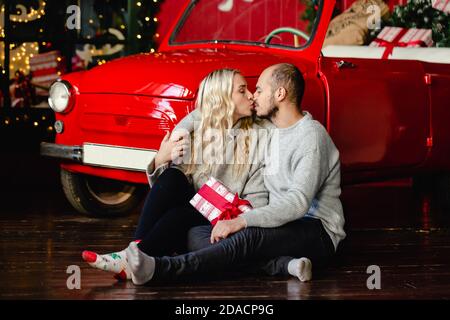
(287, 23)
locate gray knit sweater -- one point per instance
(249, 185)
(302, 175)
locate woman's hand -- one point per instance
(170, 149)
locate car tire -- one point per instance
(101, 197)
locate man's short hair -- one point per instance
(289, 77)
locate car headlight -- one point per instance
(61, 97)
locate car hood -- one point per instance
(170, 74)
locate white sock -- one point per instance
(115, 262)
(142, 266)
(300, 268)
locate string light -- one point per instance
(33, 15)
(20, 57)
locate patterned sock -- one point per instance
(142, 266)
(115, 262)
(300, 268)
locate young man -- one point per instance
(304, 217)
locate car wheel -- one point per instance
(100, 196)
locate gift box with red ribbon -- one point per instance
(391, 37)
(215, 202)
(441, 5)
(46, 68)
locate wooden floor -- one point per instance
(405, 234)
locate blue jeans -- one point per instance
(267, 249)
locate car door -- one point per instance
(379, 112)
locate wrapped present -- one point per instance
(215, 202)
(441, 5)
(391, 37)
(46, 68)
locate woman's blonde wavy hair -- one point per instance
(216, 106)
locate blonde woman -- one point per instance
(226, 144)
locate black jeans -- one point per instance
(269, 249)
(167, 215)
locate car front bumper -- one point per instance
(109, 156)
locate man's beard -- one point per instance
(272, 111)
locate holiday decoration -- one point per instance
(22, 91)
(21, 53)
(421, 14)
(352, 26)
(215, 202)
(147, 25)
(391, 37)
(46, 68)
(310, 12)
(442, 5)
(90, 51)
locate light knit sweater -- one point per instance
(302, 175)
(300, 172)
(249, 184)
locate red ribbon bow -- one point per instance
(229, 210)
(396, 43)
(232, 208)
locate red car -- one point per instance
(388, 118)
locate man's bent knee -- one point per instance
(199, 237)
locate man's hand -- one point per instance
(224, 228)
